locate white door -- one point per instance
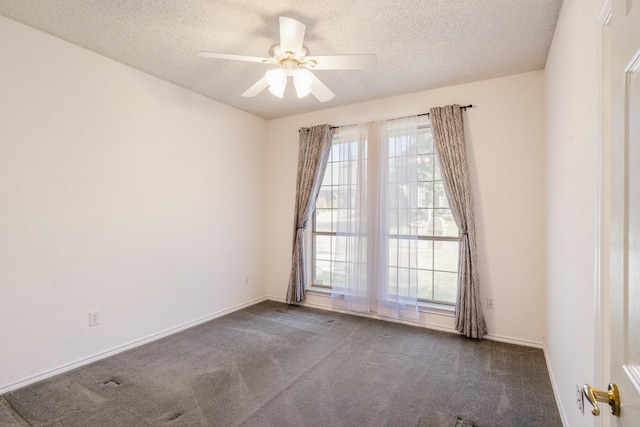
(625, 220)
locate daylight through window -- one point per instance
(422, 251)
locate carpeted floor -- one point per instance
(278, 365)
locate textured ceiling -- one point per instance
(420, 44)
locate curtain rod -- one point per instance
(462, 107)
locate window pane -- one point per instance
(338, 275)
(341, 218)
(404, 222)
(394, 172)
(393, 197)
(341, 196)
(422, 168)
(438, 224)
(322, 273)
(425, 225)
(425, 194)
(413, 277)
(446, 256)
(412, 194)
(360, 243)
(406, 146)
(403, 281)
(335, 172)
(437, 173)
(327, 179)
(323, 247)
(425, 254)
(323, 220)
(445, 286)
(393, 221)
(334, 154)
(444, 225)
(393, 280)
(394, 252)
(440, 200)
(350, 171)
(324, 198)
(393, 152)
(414, 249)
(339, 248)
(425, 141)
(425, 284)
(404, 253)
(425, 167)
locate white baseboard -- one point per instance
(428, 325)
(554, 387)
(84, 361)
(511, 340)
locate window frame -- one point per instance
(445, 306)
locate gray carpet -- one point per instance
(278, 365)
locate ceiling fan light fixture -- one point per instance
(302, 80)
(277, 80)
(292, 58)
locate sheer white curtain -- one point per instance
(377, 217)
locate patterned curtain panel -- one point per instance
(313, 154)
(448, 132)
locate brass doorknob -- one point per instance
(612, 397)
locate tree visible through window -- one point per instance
(426, 254)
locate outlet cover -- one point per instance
(491, 304)
(94, 318)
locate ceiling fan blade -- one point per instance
(258, 87)
(343, 62)
(232, 57)
(320, 91)
(291, 35)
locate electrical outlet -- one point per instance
(491, 304)
(246, 280)
(94, 318)
(579, 398)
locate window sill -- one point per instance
(423, 306)
(436, 308)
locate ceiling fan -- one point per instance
(293, 60)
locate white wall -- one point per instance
(571, 80)
(119, 192)
(506, 149)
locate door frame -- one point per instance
(602, 336)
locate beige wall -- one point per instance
(505, 136)
(571, 86)
(121, 193)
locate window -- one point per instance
(422, 251)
